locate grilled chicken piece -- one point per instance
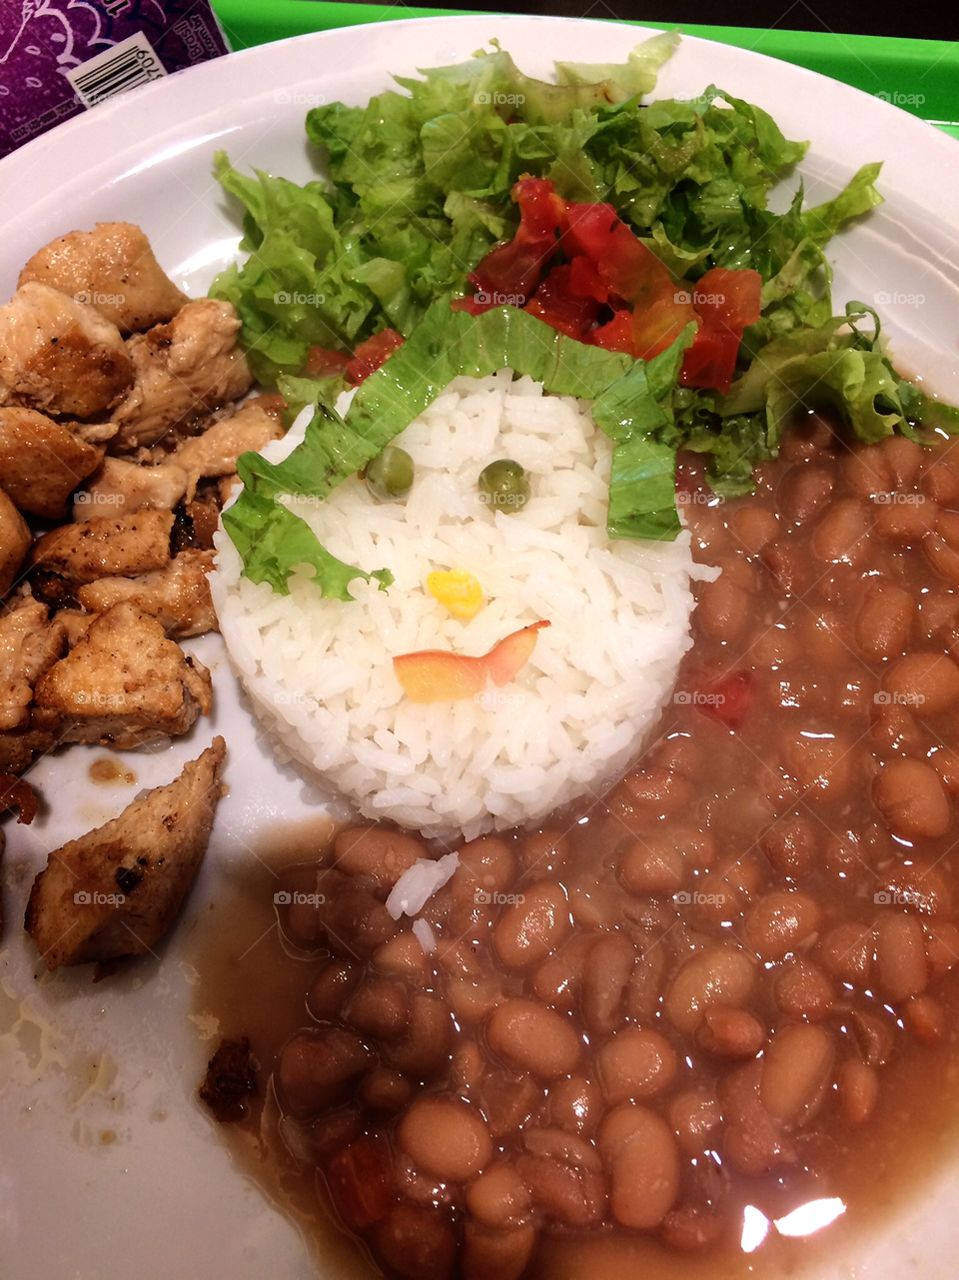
(124, 487)
(113, 269)
(214, 453)
(29, 646)
(123, 684)
(59, 355)
(75, 624)
(105, 547)
(116, 891)
(19, 749)
(178, 596)
(182, 370)
(15, 539)
(42, 462)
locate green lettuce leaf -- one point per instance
(273, 541)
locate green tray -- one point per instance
(921, 76)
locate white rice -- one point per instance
(319, 672)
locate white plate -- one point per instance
(163, 1202)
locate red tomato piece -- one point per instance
(616, 334)
(555, 303)
(726, 699)
(510, 273)
(371, 353)
(729, 297)
(321, 362)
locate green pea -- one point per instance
(504, 485)
(390, 474)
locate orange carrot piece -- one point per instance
(437, 675)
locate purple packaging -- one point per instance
(61, 57)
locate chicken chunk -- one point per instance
(107, 547)
(178, 596)
(112, 268)
(214, 453)
(182, 370)
(42, 462)
(19, 748)
(29, 646)
(15, 539)
(116, 891)
(124, 487)
(60, 355)
(75, 623)
(123, 684)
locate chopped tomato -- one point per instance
(437, 675)
(726, 699)
(361, 1182)
(711, 361)
(657, 326)
(321, 362)
(512, 271)
(555, 303)
(729, 297)
(371, 353)
(616, 334)
(585, 281)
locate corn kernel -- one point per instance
(458, 590)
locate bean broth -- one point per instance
(656, 1028)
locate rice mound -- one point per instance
(319, 672)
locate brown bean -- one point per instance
(529, 929)
(508, 1101)
(606, 973)
(903, 457)
(471, 1001)
(446, 1138)
(927, 681)
(846, 951)
(884, 621)
(866, 471)
(796, 1072)
(804, 490)
(378, 1008)
(486, 866)
(656, 788)
(753, 1141)
(691, 1227)
(841, 535)
(651, 864)
(895, 730)
(415, 1241)
(722, 974)
(635, 1064)
(788, 566)
(331, 988)
(492, 1252)
(803, 990)
(942, 947)
(900, 956)
(723, 609)
(858, 1091)
(874, 1036)
(939, 479)
(695, 1116)
(754, 526)
(781, 923)
(564, 1175)
(499, 1197)
(378, 852)
(731, 1033)
(644, 991)
(403, 956)
(529, 1037)
(385, 1090)
(822, 763)
(792, 845)
(905, 518)
(558, 980)
(575, 1105)
(945, 761)
(912, 800)
(943, 557)
(362, 1181)
(544, 851)
(926, 1018)
(922, 883)
(424, 1049)
(643, 1159)
(315, 1066)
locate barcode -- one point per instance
(130, 63)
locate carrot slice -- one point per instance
(437, 675)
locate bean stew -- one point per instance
(681, 1000)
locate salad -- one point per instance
(614, 249)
